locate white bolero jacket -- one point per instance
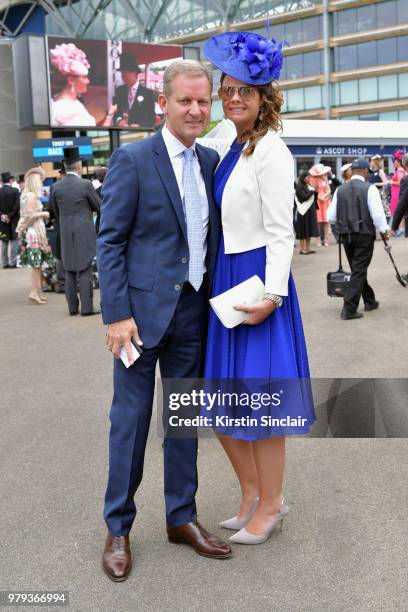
(257, 208)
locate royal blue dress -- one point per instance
(275, 349)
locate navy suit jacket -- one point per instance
(142, 245)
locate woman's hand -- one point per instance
(46, 214)
(258, 312)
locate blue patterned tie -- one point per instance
(192, 204)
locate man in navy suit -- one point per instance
(157, 245)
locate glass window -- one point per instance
(367, 54)
(388, 116)
(344, 22)
(369, 117)
(294, 66)
(295, 100)
(335, 94)
(386, 14)
(312, 28)
(345, 58)
(387, 51)
(402, 46)
(217, 112)
(368, 91)
(312, 63)
(348, 92)
(313, 97)
(403, 85)
(388, 87)
(293, 32)
(402, 11)
(365, 19)
(403, 115)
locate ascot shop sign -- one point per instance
(52, 149)
(342, 150)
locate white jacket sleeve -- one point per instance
(275, 174)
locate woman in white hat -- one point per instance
(346, 172)
(319, 181)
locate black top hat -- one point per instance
(20, 178)
(128, 62)
(5, 177)
(71, 155)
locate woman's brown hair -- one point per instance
(269, 118)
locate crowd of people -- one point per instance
(53, 231)
(315, 188)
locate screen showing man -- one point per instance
(135, 103)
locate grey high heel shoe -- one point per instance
(244, 537)
(236, 524)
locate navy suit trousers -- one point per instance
(179, 353)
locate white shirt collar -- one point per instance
(357, 176)
(74, 173)
(173, 145)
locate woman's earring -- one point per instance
(72, 88)
(261, 109)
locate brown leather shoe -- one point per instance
(197, 537)
(117, 559)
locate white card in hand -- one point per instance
(248, 292)
(124, 357)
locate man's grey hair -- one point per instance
(188, 67)
(74, 167)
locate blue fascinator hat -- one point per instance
(246, 56)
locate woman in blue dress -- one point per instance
(253, 187)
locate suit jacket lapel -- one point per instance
(166, 172)
(207, 173)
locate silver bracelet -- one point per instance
(276, 299)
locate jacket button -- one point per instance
(177, 287)
(184, 260)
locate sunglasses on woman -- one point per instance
(226, 92)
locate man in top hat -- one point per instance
(135, 103)
(357, 212)
(74, 200)
(9, 215)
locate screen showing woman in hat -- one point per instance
(254, 189)
(71, 68)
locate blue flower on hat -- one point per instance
(257, 53)
(246, 56)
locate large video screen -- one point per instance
(106, 84)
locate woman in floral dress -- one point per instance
(34, 249)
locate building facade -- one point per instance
(347, 59)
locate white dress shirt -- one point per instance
(175, 149)
(375, 207)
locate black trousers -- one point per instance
(359, 250)
(85, 290)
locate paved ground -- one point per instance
(343, 546)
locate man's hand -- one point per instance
(5, 218)
(386, 235)
(257, 312)
(120, 334)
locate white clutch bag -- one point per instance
(248, 292)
